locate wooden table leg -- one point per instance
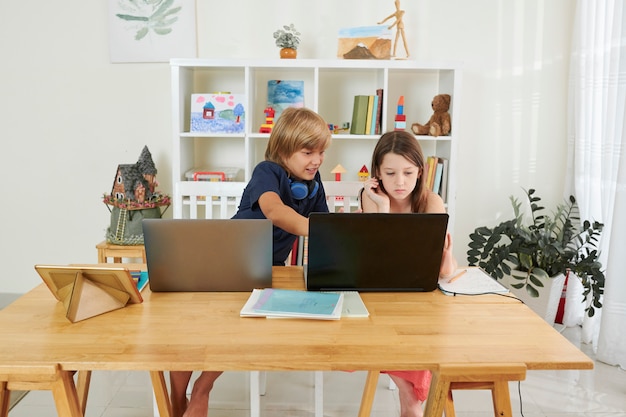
(82, 388)
(5, 397)
(160, 393)
(65, 396)
(369, 391)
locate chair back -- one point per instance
(207, 199)
(342, 195)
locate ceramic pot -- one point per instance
(547, 304)
(288, 53)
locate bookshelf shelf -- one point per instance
(329, 89)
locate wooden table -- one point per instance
(479, 338)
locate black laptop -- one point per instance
(208, 254)
(375, 251)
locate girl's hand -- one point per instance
(378, 197)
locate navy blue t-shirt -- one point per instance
(269, 176)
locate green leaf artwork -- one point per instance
(155, 15)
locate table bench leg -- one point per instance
(494, 377)
(43, 377)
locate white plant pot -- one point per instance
(547, 304)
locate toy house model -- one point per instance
(133, 197)
(136, 182)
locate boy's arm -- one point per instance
(283, 216)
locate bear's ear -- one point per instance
(446, 99)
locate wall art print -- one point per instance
(151, 30)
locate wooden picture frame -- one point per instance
(88, 291)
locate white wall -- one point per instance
(68, 116)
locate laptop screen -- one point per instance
(375, 251)
(208, 254)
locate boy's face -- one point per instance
(305, 163)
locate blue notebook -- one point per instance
(272, 302)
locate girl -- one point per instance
(284, 188)
(395, 187)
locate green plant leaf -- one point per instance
(532, 291)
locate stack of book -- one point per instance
(367, 114)
(436, 175)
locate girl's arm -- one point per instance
(283, 216)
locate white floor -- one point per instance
(597, 393)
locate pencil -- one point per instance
(457, 276)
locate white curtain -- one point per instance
(596, 161)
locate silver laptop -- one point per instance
(208, 255)
(375, 252)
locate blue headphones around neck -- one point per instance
(303, 189)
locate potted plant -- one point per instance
(288, 40)
(530, 255)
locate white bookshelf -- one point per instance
(329, 89)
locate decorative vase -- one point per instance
(547, 304)
(288, 53)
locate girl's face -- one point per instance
(399, 176)
(305, 163)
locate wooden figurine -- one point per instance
(399, 24)
(364, 174)
(338, 170)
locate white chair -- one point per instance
(343, 195)
(207, 199)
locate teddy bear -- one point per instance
(439, 123)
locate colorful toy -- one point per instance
(338, 170)
(439, 122)
(269, 120)
(400, 116)
(364, 174)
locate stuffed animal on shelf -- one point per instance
(439, 123)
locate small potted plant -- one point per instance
(288, 40)
(530, 255)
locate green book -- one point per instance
(359, 115)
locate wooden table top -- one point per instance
(203, 331)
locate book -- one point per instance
(370, 114)
(353, 305)
(379, 112)
(471, 281)
(359, 114)
(438, 174)
(372, 125)
(431, 165)
(271, 302)
(217, 113)
(444, 180)
(140, 278)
